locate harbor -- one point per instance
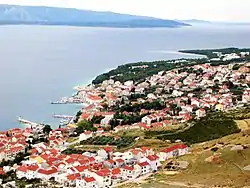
(69, 100)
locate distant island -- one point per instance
(38, 15)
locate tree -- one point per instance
(84, 125)
(96, 119)
(47, 129)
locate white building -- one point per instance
(87, 182)
(86, 135)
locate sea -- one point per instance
(40, 64)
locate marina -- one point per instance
(66, 117)
(69, 100)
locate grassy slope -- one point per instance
(226, 173)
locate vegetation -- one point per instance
(141, 70)
(84, 125)
(78, 114)
(156, 105)
(213, 126)
(210, 52)
(97, 119)
(47, 129)
(120, 142)
(9, 176)
(239, 114)
(69, 151)
(17, 160)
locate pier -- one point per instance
(27, 122)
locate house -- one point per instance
(86, 135)
(109, 163)
(147, 151)
(47, 174)
(200, 113)
(21, 172)
(93, 99)
(220, 107)
(99, 131)
(116, 175)
(142, 168)
(118, 128)
(246, 96)
(102, 177)
(105, 153)
(81, 169)
(128, 172)
(136, 153)
(119, 162)
(173, 151)
(154, 162)
(195, 102)
(87, 182)
(71, 180)
(152, 117)
(85, 116)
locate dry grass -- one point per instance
(72, 139)
(227, 172)
(243, 124)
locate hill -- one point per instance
(32, 15)
(195, 21)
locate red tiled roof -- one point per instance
(1, 171)
(88, 180)
(119, 160)
(152, 157)
(73, 177)
(111, 161)
(174, 147)
(88, 132)
(135, 151)
(70, 160)
(81, 168)
(91, 159)
(116, 171)
(47, 172)
(33, 168)
(108, 149)
(130, 168)
(103, 172)
(143, 164)
(22, 169)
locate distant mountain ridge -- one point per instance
(14, 14)
(195, 21)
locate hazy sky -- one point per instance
(219, 10)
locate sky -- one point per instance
(211, 10)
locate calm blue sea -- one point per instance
(43, 63)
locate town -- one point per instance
(165, 99)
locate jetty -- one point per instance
(27, 122)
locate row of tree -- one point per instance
(121, 142)
(215, 125)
